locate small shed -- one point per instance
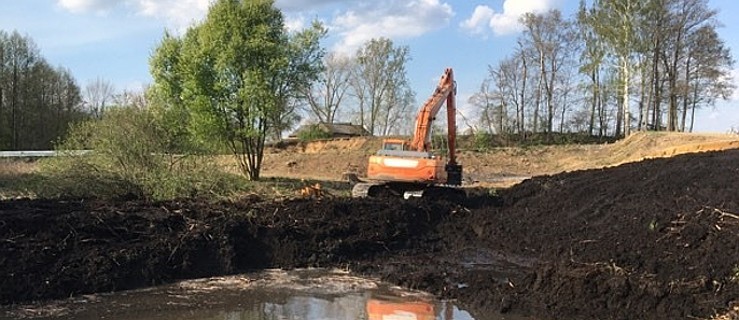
(335, 130)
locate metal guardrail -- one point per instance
(41, 154)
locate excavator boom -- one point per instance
(445, 92)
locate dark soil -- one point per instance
(652, 240)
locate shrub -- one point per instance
(313, 132)
(483, 141)
(130, 158)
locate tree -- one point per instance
(592, 57)
(381, 87)
(37, 101)
(707, 73)
(98, 95)
(490, 106)
(305, 63)
(552, 38)
(617, 21)
(236, 76)
(325, 96)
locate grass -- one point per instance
(735, 274)
(21, 178)
(17, 178)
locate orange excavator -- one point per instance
(408, 168)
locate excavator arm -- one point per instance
(445, 92)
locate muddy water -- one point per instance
(269, 295)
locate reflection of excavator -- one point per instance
(381, 307)
(408, 168)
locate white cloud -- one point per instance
(80, 6)
(354, 24)
(479, 21)
(295, 23)
(304, 5)
(177, 14)
(735, 79)
(485, 18)
(390, 19)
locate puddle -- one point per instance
(268, 295)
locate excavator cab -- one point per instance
(395, 144)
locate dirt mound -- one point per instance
(648, 240)
(647, 145)
(649, 237)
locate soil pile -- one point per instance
(650, 240)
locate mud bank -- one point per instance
(657, 239)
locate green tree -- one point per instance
(235, 76)
(37, 101)
(616, 22)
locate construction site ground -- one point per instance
(643, 228)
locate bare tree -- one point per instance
(131, 98)
(325, 96)
(380, 85)
(97, 96)
(552, 38)
(485, 101)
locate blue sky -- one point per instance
(113, 39)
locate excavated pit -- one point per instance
(657, 239)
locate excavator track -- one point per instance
(362, 189)
(381, 189)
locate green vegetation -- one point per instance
(483, 141)
(136, 156)
(234, 77)
(313, 132)
(653, 225)
(37, 100)
(131, 158)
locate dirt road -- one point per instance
(655, 239)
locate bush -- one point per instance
(130, 158)
(313, 132)
(483, 141)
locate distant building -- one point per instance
(335, 130)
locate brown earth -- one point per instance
(498, 167)
(655, 239)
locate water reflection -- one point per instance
(271, 295)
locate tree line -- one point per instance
(618, 65)
(37, 101)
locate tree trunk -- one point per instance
(626, 106)
(657, 101)
(523, 99)
(14, 110)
